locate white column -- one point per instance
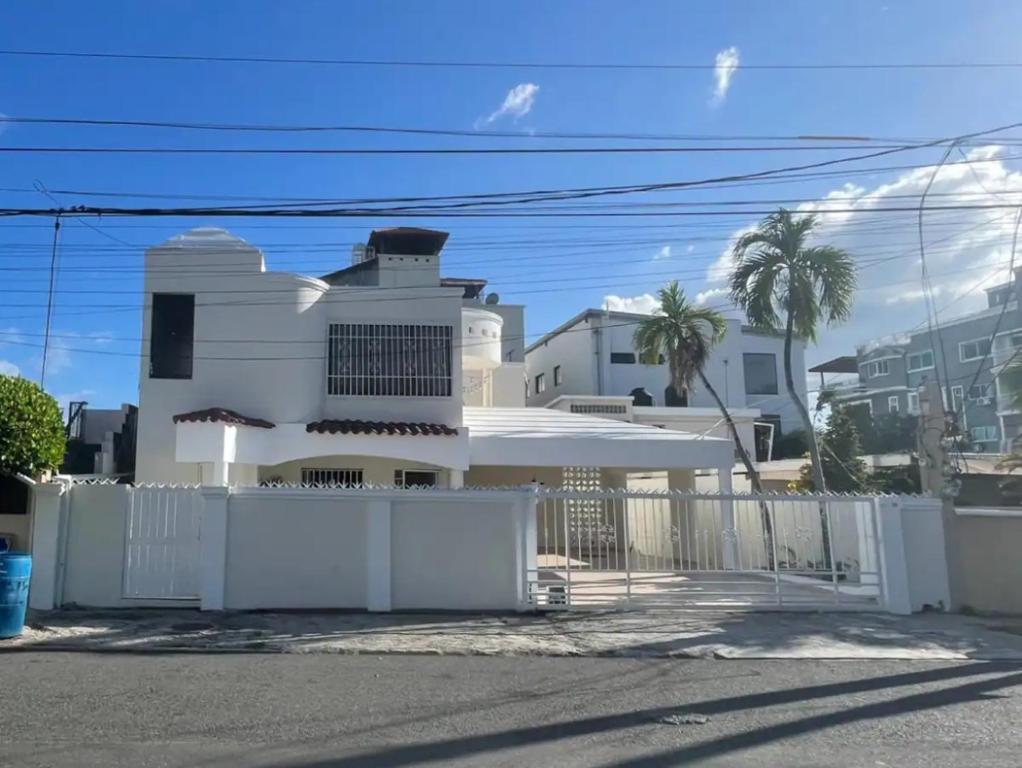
(893, 567)
(729, 533)
(456, 478)
(526, 544)
(378, 556)
(213, 547)
(219, 473)
(46, 527)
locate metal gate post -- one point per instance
(628, 546)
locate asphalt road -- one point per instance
(328, 711)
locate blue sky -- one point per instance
(583, 260)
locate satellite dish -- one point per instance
(492, 298)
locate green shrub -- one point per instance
(31, 428)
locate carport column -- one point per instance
(213, 547)
(729, 535)
(378, 555)
(46, 540)
(456, 478)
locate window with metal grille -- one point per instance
(383, 360)
(331, 478)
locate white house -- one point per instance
(381, 372)
(593, 355)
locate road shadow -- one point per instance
(965, 690)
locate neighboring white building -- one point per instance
(381, 372)
(593, 354)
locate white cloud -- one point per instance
(725, 66)
(518, 103)
(645, 304)
(966, 249)
(7, 368)
(711, 293)
(663, 253)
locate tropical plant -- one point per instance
(684, 334)
(783, 282)
(843, 466)
(31, 428)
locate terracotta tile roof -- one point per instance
(223, 416)
(357, 427)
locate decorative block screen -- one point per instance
(380, 360)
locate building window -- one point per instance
(557, 376)
(415, 478)
(389, 360)
(957, 398)
(622, 358)
(331, 478)
(913, 402)
(878, 368)
(892, 404)
(766, 437)
(540, 383)
(973, 350)
(980, 391)
(987, 434)
(920, 361)
(171, 336)
(760, 373)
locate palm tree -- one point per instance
(684, 334)
(782, 281)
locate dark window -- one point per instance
(622, 358)
(760, 373)
(415, 478)
(171, 336)
(540, 383)
(557, 375)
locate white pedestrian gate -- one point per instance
(161, 554)
(601, 548)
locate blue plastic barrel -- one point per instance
(15, 572)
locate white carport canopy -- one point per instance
(544, 437)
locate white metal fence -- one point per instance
(616, 548)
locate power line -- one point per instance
(463, 64)
(483, 134)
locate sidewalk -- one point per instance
(691, 634)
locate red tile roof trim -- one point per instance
(357, 427)
(223, 416)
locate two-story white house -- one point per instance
(593, 355)
(381, 372)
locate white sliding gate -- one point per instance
(161, 542)
(617, 548)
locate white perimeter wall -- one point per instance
(307, 553)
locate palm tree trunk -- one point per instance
(819, 483)
(750, 468)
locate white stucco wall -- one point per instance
(296, 554)
(250, 315)
(574, 351)
(453, 554)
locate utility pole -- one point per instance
(935, 477)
